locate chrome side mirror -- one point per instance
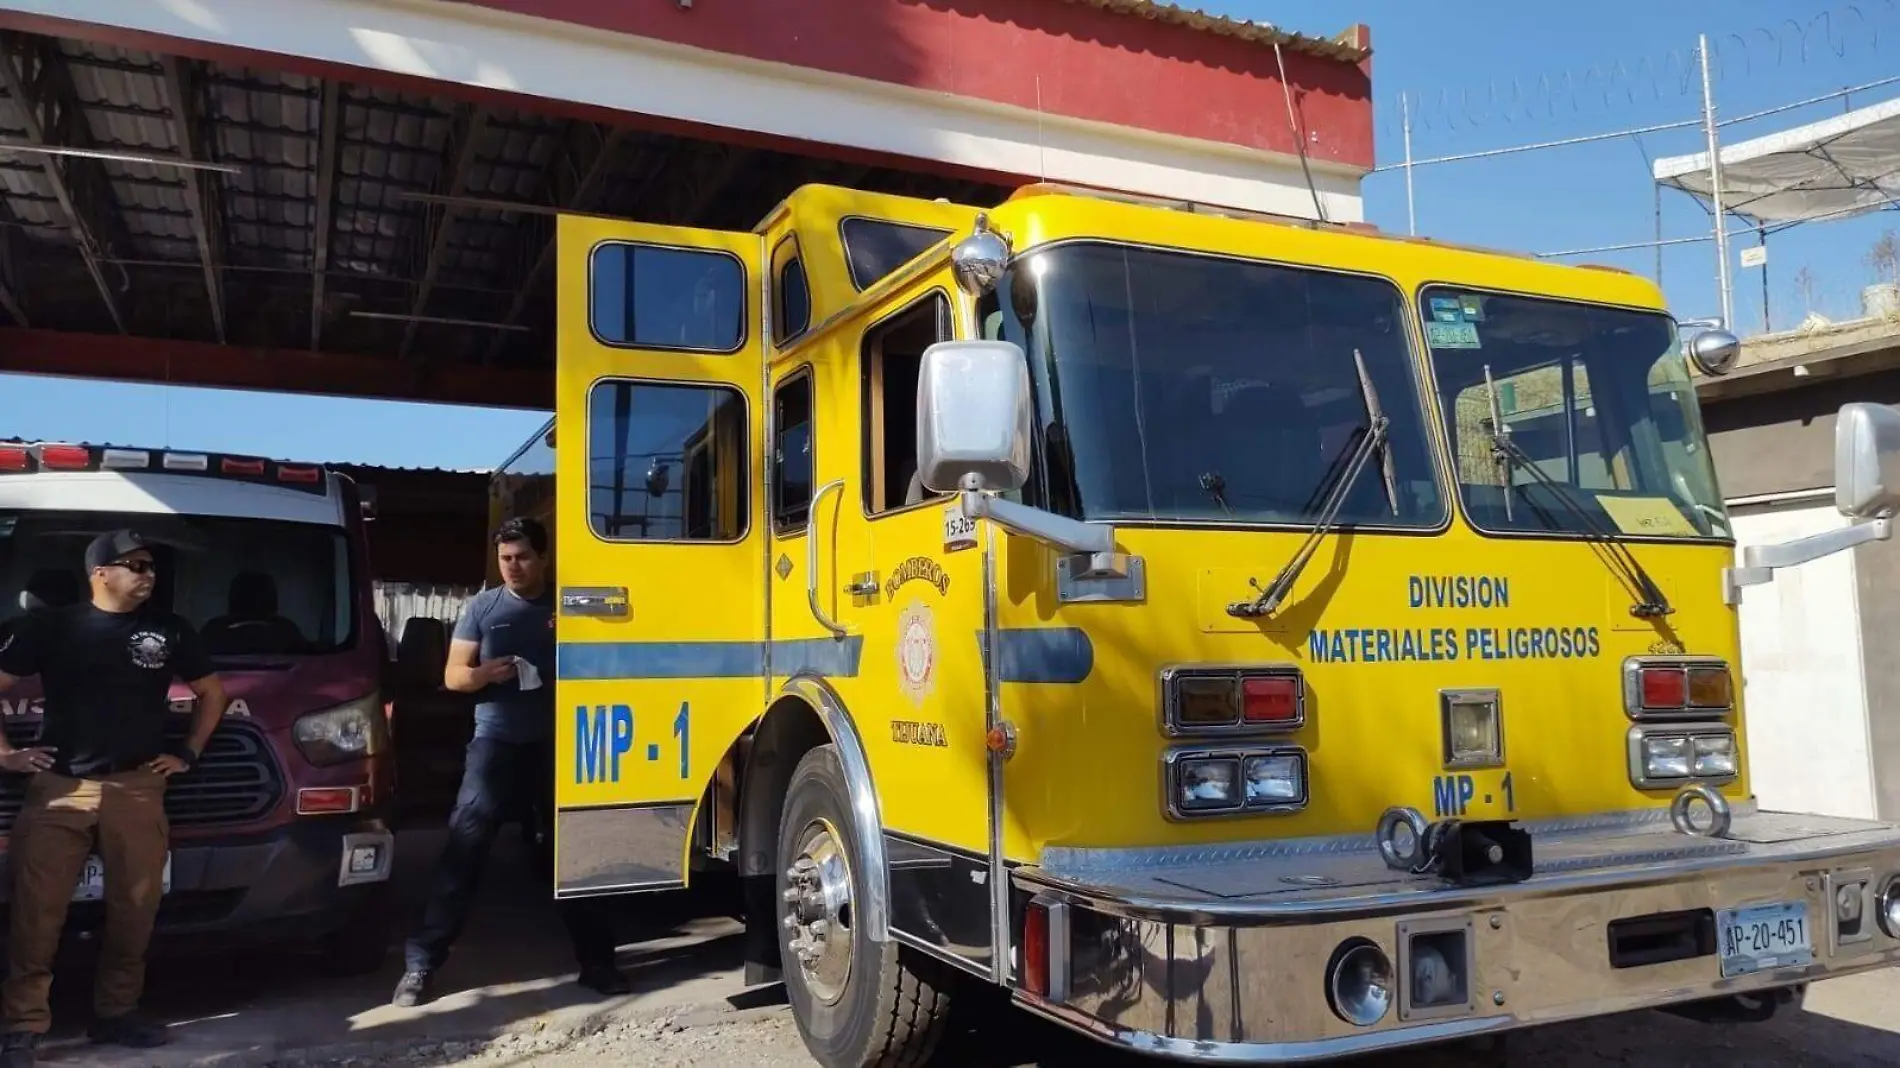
(659, 477)
(973, 416)
(977, 262)
(1866, 490)
(1715, 351)
(1867, 461)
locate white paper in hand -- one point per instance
(526, 672)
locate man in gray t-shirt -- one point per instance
(503, 653)
(499, 626)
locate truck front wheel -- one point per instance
(858, 1005)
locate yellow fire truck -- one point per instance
(1236, 640)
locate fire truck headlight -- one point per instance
(1715, 755)
(1666, 757)
(1279, 779)
(1206, 784)
(1691, 753)
(1224, 781)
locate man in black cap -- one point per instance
(98, 771)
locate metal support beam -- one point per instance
(42, 92)
(573, 186)
(9, 299)
(198, 363)
(330, 120)
(452, 182)
(202, 194)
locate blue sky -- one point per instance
(1484, 75)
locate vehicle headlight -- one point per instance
(347, 732)
(1715, 755)
(1275, 780)
(1207, 785)
(1666, 757)
(1231, 781)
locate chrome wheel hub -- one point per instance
(817, 911)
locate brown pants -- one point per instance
(55, 833)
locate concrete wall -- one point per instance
(1784, 440)
(1802, 678)
(1824, 634)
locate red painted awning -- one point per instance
(1130, 63)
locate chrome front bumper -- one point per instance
(1219, 954)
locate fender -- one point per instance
(874, 909)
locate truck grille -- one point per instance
(236, 779)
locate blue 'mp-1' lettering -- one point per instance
(602, 735)
(1452, 795)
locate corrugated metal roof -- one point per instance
(1342, 48)
(335, 199)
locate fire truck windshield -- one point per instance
(1177, 387)
(251, 587)
(1604, 434)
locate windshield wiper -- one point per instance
(1334, 493)
(1648, 601)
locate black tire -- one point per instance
(362, 945)
(892, 1007)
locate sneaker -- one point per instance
(19, 1049)
(605, 980)
(411, 990)
(131, 1030)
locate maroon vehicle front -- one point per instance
(280, 832)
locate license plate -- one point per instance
(92, 880)
(1764, 937)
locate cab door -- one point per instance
(659, 539)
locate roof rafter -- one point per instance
(458, 154)
(572, 186)
(330, 121)
(42, 91)
(202, 192)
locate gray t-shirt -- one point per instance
(508, 625)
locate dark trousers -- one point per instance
(501, 779)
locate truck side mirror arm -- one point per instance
(1760, 562)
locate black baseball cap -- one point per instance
(113, 545)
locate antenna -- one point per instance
(1299, 140)
(1042, 151)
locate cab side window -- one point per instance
(791, 307)
(892, 356)
(666, 461)
(791, 454)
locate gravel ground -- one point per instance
(767, 1038)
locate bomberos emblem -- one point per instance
(916, 651)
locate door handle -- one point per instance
(811, 559)
(594, 601)
(864, 587)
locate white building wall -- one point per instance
(1803, 685)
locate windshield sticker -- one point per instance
(1452, 335)
(1448, 310)
(1647, 515)
(1473, 307)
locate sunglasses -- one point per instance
(137, 567)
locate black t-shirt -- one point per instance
(106, 678)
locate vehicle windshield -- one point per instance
(1598, 399)
(1179, 387)
(250, 587)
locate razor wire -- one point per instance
(1862, 28)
